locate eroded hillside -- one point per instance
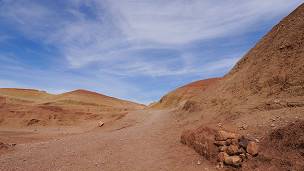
(262, 94)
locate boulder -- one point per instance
(233, 149)
(224, 135)
(232, 160)
(235, 161)
(252, 148)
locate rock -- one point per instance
(198, 162)
(100, 123)
(242, 151)
(233, 161)
(3, 146)
(224, 135)
(252, 148)
(13, 145)
(243, 157)
(220, 143)
(220, 125)
(231, 141)
(221, 156)
(32, 122)
(243, 127)
(233, 149)
(249, 156)
(223, 148)
(220, 165)
(243, 142)
(228, 142)
(272, 125)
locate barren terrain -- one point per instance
(142, 140)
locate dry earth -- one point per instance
(142, 140)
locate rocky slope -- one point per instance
(263, 93)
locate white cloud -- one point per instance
(120, 28)
(180, 22)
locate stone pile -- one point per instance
(234, 149)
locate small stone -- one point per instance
(232, 149)
(241, 151)
(249, 156)
(231, 141)
(220, 143)
(272, 125)
(223, 148)
(243, 127)
(13, 145)
(100, 123)
(233, 160)
(199, 162)
(228, 142)
(220, 165)
(257, 140)
(224, 135)
(273, 119)
(252, 148)
(243, 142)
(234, 141)
(220, 125)
(243, 157)
(221, 156)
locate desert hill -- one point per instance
(261, 96)
(181, 95)
(27, 107)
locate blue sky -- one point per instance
(131, 49)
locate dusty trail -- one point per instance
(143, 140)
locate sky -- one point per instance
(137, 50)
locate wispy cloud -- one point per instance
(117, 42)
(113, 29)
(180, 22)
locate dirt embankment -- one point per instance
(263, 93)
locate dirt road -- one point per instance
(143, 140)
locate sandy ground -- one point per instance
(143, 140)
